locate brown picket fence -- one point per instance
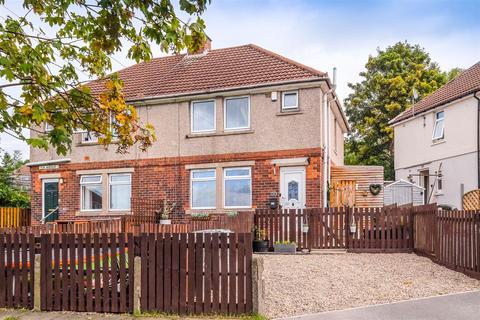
(198, 273)
(17, 263)
(381, 229)
(458, 242)
(84, 272)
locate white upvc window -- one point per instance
(237, 113)
(203, 116)
(439, 127)
(289, 100)
(48, 127)
(91, 193)
(88, 137)
(237, 189)
(120, 191)
(203, 189)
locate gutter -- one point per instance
(478, 138)
(41, 163)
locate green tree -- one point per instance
(10, 196)
(386, 90)
(43, 63)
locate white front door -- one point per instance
(292, 187)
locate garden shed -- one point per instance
(403, 192)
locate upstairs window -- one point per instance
(203, 116)
(89, 137)
(237, 113)
(290, 100)
(203, 189)
(48, 127)
(91, 192)
(439, 128)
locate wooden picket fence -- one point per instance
(374, 229)
(17, 263)
(84, 272)
(14, 217)
(198, 273)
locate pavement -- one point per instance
(459, 306)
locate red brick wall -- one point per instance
(167, 178)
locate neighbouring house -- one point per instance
(436, 142)
(22, 179)
(236, 128)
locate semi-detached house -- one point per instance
(236, 127)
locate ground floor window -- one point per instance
(91, 192)
(237, 187)
(120, 186)
(203, 189)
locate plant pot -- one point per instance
(285, 248)
(353, 228)
(260, 245)
(165, 221)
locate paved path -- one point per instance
(461, 306)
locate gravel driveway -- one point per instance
(302, 284)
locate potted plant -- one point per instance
(260, 243)
(167, 209)
(200, 216)
(285, 247)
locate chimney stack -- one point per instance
(207, 46)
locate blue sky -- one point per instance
(324, 34)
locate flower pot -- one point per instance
(165, 221)
(260, 245)
(353, 228)
(285, 248)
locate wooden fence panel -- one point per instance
(14, 217)
(78, 274)
(196, 273)
(17, 263)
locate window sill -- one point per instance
(436, 142)
(219, 134)
(100, 214)
(289, 112)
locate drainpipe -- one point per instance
(478, 138)
(326, 142)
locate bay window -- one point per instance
(203, 189)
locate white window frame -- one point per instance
(283, 100)
(89, 183)
(48, 127)
(225, 178)
(192, 179)
(225, 113)
(442, 136)
(110, 183)
(192, 103)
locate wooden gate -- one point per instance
(196, 273)
(342, 193)
(81, 272)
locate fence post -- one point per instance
(347, 227)
(36, 284)
(137, 280)
(258, 286)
